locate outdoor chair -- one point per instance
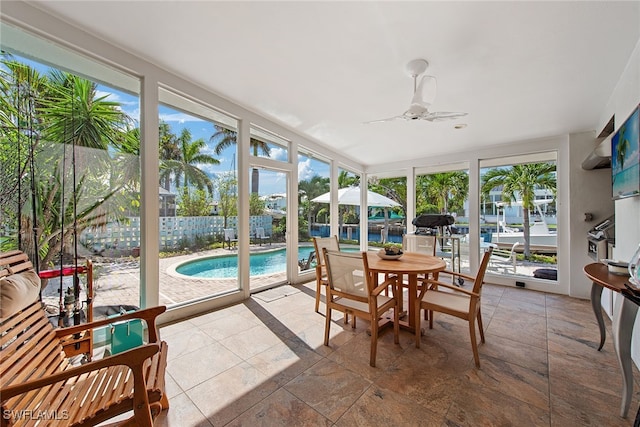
(455, 301)
(504, 259)
(261, 236)
(351, 290)
(319, 243)
(230, 237)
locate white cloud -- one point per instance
(278, 154)
(305, 170)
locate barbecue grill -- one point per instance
(430, 224)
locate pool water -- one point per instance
(226, 266)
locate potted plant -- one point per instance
(392, 248)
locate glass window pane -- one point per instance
(269, 145)
(444, 191)
(70, 160)
(518, 215)
(349, 214)
(387, 217)
(267, 230)
(198, 197)
(313, 218)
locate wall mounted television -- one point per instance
(625, 162)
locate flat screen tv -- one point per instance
(625, 163)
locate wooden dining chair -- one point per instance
(455, 301)
(424, 244)
(319, 243)
(352, 290)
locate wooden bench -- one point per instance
(39, 384)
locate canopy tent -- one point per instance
(351, 196)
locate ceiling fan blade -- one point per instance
(441, 116)
(389, 119)
(425, 92)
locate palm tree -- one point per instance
(520, 182)
(20, 132)
(228, 138)
(346, 179)
(55, 113)
(448, 190)
(621, 150)
(307, 190)
(393, 188)
(169, 150)
(184, 168)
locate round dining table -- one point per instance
(411, 264)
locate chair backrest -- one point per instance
(348, 273)
(260, 233)
(419, 243)
(319, 243)
(229, 234)
(477, 284)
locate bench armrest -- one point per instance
(133, 358)
(148, 314)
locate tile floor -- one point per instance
(263, 362)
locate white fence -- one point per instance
(175, 232)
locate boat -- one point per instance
(541, 239)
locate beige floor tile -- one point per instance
(229, 394)
(573, 404)
(265, 363)
(515, 381)
(586, 373)
(182, 412)
(227, 326)
(251, 342)
(380, 407)
(285, 361)
(281, 408)
(527, 356)
(328, 388)
(200, 365)
(478, 406)
(187, 341)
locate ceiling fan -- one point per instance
(424, 93)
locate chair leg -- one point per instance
(374, 339)
(327, 325)
(430, 319)
(474, 344)
(400, 298)
(353, 321)
(164, 401)
(318, 286)
(417, 320)
(480, 326)
(396, 326)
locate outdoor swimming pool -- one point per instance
(226, 266)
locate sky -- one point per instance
(271, 182)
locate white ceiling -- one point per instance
(522, 70)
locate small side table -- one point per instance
(623, 321)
